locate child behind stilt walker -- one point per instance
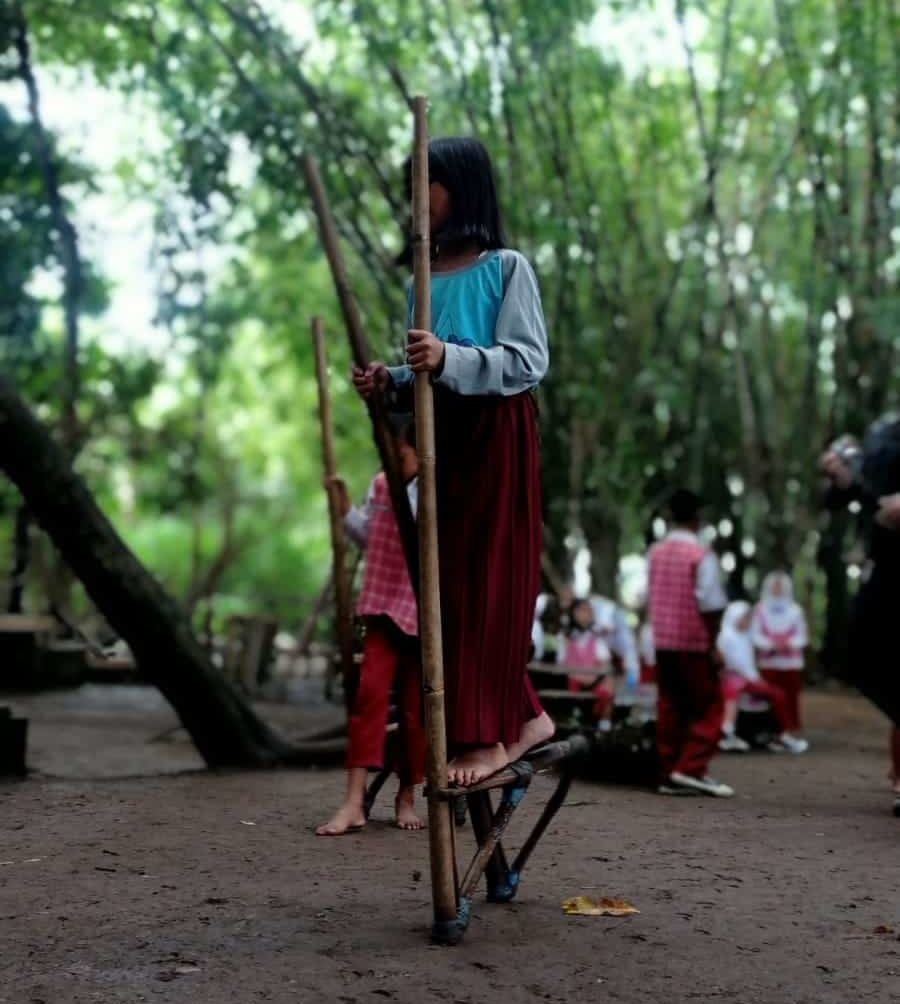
(387, 604)
(735, 645)
(487, 354)
(780, 636)
(686, 603)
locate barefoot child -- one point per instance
(735, 646)
(388, 606)
(486, 355)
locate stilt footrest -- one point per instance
(489, 825)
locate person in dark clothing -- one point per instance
(870, 476)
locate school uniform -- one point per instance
(489, 316)
(588, 651)
(387, 603)
(741, 674)
(684, 586)
(780, 636)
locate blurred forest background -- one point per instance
(708, 191)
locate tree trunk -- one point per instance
(73, 282)
(224, 728)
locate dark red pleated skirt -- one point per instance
(490, 538)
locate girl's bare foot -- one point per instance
(405, 811)
(534, 732)
(348, 819)
(475, 765)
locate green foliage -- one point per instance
(712, 224)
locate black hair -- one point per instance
(403, 427)
(463, 166)
(685, 506)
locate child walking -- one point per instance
(686, 603)
(486, 355)
(735, 646)
(387, 605)
(780, 636)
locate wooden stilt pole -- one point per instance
(362, 357)
(343, 601)
(440, 832)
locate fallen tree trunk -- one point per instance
(222, 725)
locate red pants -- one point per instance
(604, 695)
(790, 683)
(689, 712)
(388, 654)
(766, 691)
(895, 754)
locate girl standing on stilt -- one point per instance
(487, 354)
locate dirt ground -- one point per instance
(210, 889)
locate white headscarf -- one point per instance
(736, 644)
(778, 611)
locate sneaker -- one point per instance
(788, 744)
(701, 785)
(730, 743)
(668, 788)
(604, 727)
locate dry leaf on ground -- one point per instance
(584, 906)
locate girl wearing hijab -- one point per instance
(740, 676)
(780, 637)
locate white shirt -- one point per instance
(709, 591)
(356, 522)
(736, 649)
(611, 622)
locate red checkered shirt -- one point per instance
(678, 595)
(387, 590)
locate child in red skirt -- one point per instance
(780, 636)
(735, 646)
(387, 604)
(486, 355)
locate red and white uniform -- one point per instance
(588, 651)
(741, 675)
(390, 652)
(780, 636)
(387, 590)
(685, 584)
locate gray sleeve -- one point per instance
(356, 522)
(519, 359)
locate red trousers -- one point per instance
(388, 654)
(895, 754)
(766, 691)
(790, 683)
(689, 711)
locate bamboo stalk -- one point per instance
(440, 827)
(362, 356)
(343, 601)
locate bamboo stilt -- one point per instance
(440, 826)
(343, 600)
(362, 357)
